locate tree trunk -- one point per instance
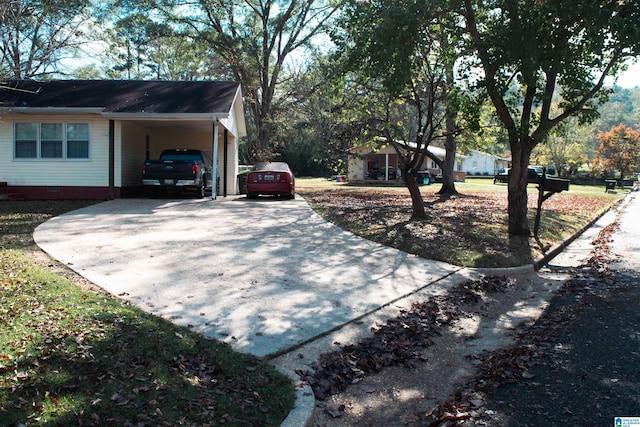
(448, 166)
(417, 203)
(518, 198)
(258, 147)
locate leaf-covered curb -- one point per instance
(536, 345)
(400, 341)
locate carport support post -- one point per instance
(112, 160)
(386, 167)
(225, 162)
(214, 156)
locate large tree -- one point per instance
(530, 49)
(405, 58)
(36, 34)
(619, 151)
(141, 47)
(256, 38)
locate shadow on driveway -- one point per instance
(264, 276)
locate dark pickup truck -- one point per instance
(179, 169)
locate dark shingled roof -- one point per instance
(122, 96)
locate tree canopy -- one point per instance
(399, 53)
(36, 35)
(255, 39)
(619, 151)
(529, 51)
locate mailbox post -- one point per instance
(547, 187)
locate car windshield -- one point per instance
(271, 166)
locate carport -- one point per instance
(123, 123)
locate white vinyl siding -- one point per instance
(73, 169)
(90, 172)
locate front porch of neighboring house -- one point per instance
(383, 166)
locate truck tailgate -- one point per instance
(168, 170)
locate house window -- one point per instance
(50, 140)
(26, 140)
(77, 140)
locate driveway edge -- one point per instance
(302, 414)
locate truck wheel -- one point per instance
(200, 192)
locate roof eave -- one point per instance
(165, 116)
(239, 113)
(51, 110)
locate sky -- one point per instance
(630, 78)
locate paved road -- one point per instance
(261, 275)
(588, 374)
(626, 241)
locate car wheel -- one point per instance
(252, 196)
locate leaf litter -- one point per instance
(335, 371)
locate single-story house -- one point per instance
(87, 139)
(481, 163)
(382, 164)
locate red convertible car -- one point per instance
(271, 178)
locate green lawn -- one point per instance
(467, 230)
(73, 355)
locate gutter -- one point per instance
(52, 110)
(164, 116)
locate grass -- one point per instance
(73, 355)
(468, 230)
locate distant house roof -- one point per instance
(410, 146)
(121, 96)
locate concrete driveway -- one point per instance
(262, 275)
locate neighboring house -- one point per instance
(87, 139)
(382, 164)
(481, 163)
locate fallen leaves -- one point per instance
(399, 341)
(469, 230)
(537, 346)
(66, 350)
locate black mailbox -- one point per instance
(610, 184)
(555, 185)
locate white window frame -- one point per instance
(65, 141)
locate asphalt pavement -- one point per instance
(588, 363)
